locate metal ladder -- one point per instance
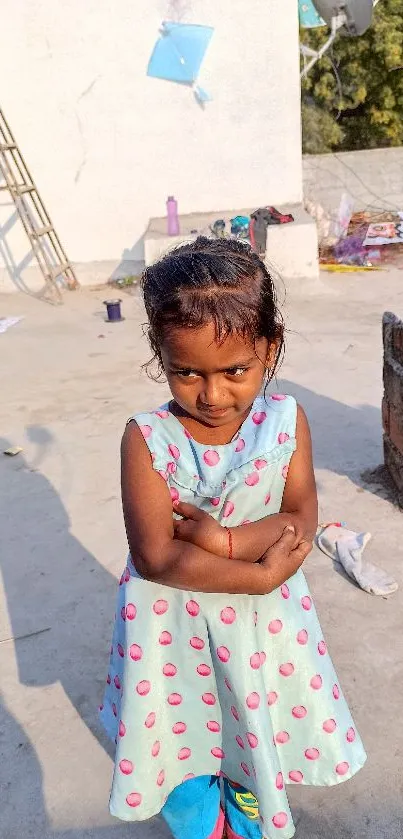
(46, 245)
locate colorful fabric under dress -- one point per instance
(238, 685)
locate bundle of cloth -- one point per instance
(346, 547)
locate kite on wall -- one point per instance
(178, 55)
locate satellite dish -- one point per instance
(347, 17)
(357, 14)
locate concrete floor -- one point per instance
(68, 383)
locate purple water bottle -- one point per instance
(172, 216)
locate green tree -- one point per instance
(353, 96)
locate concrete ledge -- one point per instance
(292, 249)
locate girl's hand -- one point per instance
(200, 529)
(283, 559)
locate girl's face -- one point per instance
(214, 383)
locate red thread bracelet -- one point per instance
(230, 552)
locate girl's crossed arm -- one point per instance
(159, 557)
(299, 509)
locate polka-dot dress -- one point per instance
(206, 684)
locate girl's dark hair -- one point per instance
(219, 280)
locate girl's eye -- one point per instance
(187, 374)
(237, 371)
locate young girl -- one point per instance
(220, 688)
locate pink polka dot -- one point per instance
(228, 684)
(299, 712)
(114, 710)
(179, 728)
(275, 627)
(302, 637)
(196, 643)
(174, 493)
(322, 649)
(283, 437)
(252, 479)
(342, 768)
(169, 670)
(312, 754)
(255, 618)
(209, 698)
(336, 691)
(117, 683)
(160, 607)
(252, 740)
(258, 417)
(286, 669)
(187, 433)
(262, 656)
(165, 639)
(122, 729)
(255, 661)
(164, 476)
(121, 651)
(228, 615)
(135, 652)
(127, 575)
(204, 670)
(228, 509)
(234, 713)
(272, 697)
(131, 611)
(329, 726)
(156, 748)
(260, 463)
(174, 451)
(162, 414)
(192, 608)
(134, 799)
(285, 591)
(184, 754)
(267, 499)
(240, 742)
(296, 776)
(217, 752)
(160, 778)
(223, 654)
(278, 397)
(306, 603)
(245, 768)
(122, 614)
(279, 780)
(253, 701)
(284, 471)
(211, 457)
(150, 720)
(174, 699)
(214, 726)
(143, 688)
(146, 431)
(108, 679)
(316, 682)
(282, 737)
(240, 445)
(188, 777)
(350, 736)
(171, 468)
(126, 767)
(280, 820)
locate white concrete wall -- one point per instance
(372, 177)
(106, 144)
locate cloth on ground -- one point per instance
(346, 547)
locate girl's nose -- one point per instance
(211, 392)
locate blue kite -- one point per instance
(178, 55)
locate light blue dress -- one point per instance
(239, 685)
